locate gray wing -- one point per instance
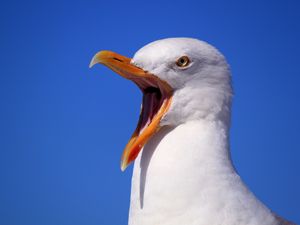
(282, 221)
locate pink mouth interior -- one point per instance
(152, 101)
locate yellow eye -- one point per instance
(183, 61)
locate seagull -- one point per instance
(183, 173)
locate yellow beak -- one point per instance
(156, 100)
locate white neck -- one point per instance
(184, 175)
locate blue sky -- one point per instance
(63, 126)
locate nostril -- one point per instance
(118, 59)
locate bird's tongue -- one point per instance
(152, 100)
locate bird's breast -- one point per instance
(184, 176)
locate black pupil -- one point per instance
(182, 61)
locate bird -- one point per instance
(183, 173)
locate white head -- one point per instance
(182, 79)
(202, 89)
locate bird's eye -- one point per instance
(183, 61)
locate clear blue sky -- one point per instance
(63, 126)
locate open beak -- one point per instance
(157, 96)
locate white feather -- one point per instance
(184, 174)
